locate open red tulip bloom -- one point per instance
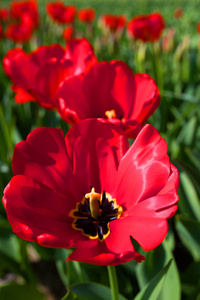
(20, 31)
(88, 191)
(36, 76)
(112, 92)
(61, 13)
(86, 15)
(147, 28)
(20, 9)
(4, 14)
(113, 22)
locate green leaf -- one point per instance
(69, 296)
(188, 132)
(193, 156)
(14, 290)
(189, 233)
(61, 265)
(189, 200)
(13, 251)
(190, 281)
(9, 246)
(155, 262)
(152, 290)
(181, 97)
(170, 239)
(5, 135)
(91, 291)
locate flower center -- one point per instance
(94, 213)
(110, 114)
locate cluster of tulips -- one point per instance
(88, 189)
(23, 18)
(20, 20)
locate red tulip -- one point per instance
(60, 13)
(168, 40)
(20, 32)
(86, 15)
(19, 9)
(1, 32)
(36, 76)
(147, 28)
(4, 14)
(178, 13)
(133, 191)
(113, 23)
(110, 91)
(198, 27)
(68, 33)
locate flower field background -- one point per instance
(170, 271)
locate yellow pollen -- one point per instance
(94, 199)
(110, 114)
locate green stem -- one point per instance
(113, 282)
(157, 65)
(140, 55)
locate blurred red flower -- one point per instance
(147, 28)
(20, 32)
(113, 23)
(1, 32)
(178, 13)
(110, 91)
(86, 15)
(61, 13)
(168, 40)
(68, 33)
(19, 9)
(198, 27)
(4, 14)
(133, 191)
(36, 76)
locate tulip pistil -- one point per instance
(110, 114)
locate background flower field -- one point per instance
(29, 271)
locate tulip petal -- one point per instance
(144, 170)
(43, 156)
(82, 54)
(149, 232)
(107, 165)
(35, 214)
(99, 254)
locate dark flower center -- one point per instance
(93, 214)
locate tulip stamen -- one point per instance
(94, 213)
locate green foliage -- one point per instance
(89, 291)
(155, 262)
(188, 230)
(21, 291)
(153, 289)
